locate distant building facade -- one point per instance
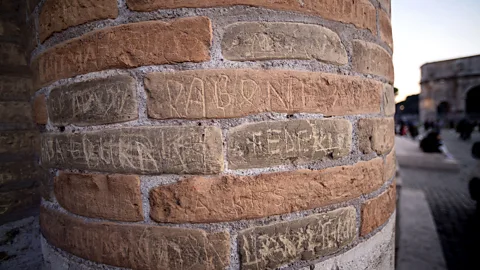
(450, 90)
(408, 110)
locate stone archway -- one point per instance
(472, 103)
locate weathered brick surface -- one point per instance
(114, 197)
(360, 13)
(127, 46)
(376, 211)
(40, 110)
(235, 93)
(308, 238)
(390, 165)
(267, 144)
(136, 246)
(386, 4)
(18, 175)
(58, 15)
(15, 88)
(372, 59)
(18, 204)
(376, 135)
(11, 54)
(385, 28)
(96, 102)
(19, 142)
(228, 198)
(280, 40)
(15, 113)
(155, 150)
(8, 28)
(388, 100)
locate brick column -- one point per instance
(213, 134)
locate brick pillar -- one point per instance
(215, 134)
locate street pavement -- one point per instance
(454, 213)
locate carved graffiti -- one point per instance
(271, 246)
(138, 150)
(234, 93)
(276, 143)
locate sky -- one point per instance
(429, 31)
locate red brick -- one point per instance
(377, 211)
(370, 58)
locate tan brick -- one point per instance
(267, 144)
(376, 135)
(390, 165)
(58, 15)
(114, 197)
(370, 58)
(40, 110)
(308, 238)
(385, 28)
(97, 102)
(229, 197)
(234, 93)
(388, 100)
(15, 88)
(19, 142)
(127, 46)
(360, 13)
(386, 4)
(15, 112)
(377, 211)
(11, 54)
(280, 40)
(146, 150)
(136, 246)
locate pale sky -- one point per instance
(428, 31)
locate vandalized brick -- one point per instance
(136, 246)
(231, 93)
(114, 197)
(360, 13)
(376, 135)
(146, 150)
(278, 40)
(97, 102)
(370, 58)
(377, 211)
(126, 46)
(283, 142)
(269, 247)
(56, 15)
(230, 197)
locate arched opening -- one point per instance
(472, 101)
(443, 110)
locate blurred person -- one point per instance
(465, 129)
(432, 143)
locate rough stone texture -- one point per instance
(146, 150)
(370, 58)
(19, 142)
(15, 88)
(40, 110)
(241, 92)
(18, 175)
(126, 46)
(114, 197)
(58, 15)
(376, 135)
(227, 198)
(136, 246)
(308, 238)
(390, 165)
(267, 144)
(11, 54)
(96, 102)
(18, 204)
(385, 28)
(15, 113)
(8, 29)
(386, 4)
(388, 100)
(377, 211)
(360, 13)
(376, 253)
(279, 40)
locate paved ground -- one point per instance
(453, 211)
